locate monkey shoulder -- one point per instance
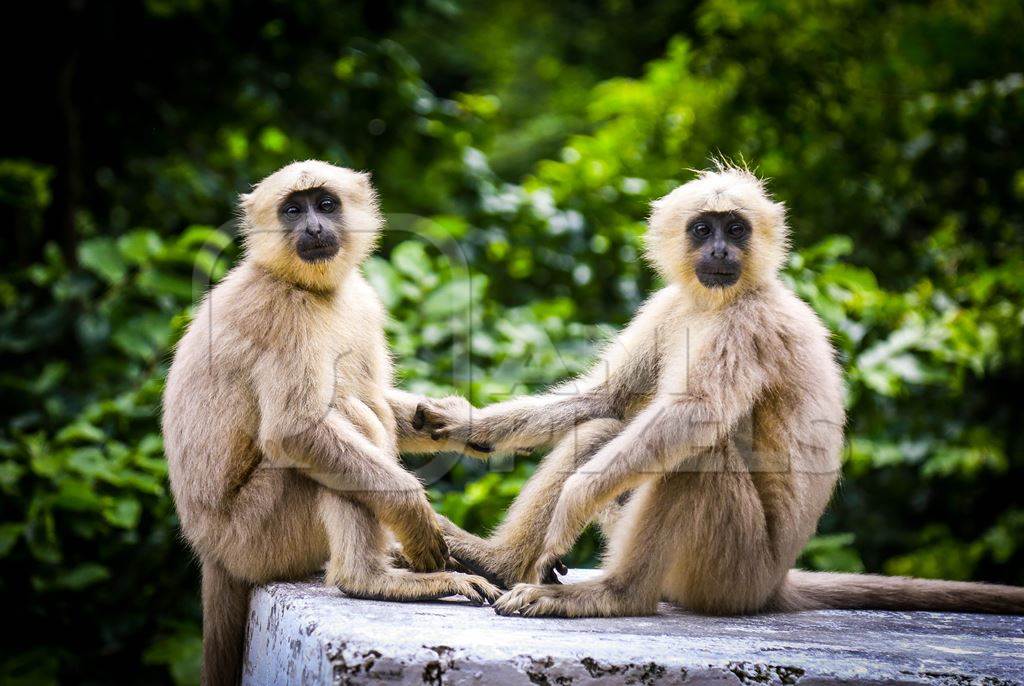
(664, 301)
(776, 312)
(664, 313)
(363, 300)
(790, 338)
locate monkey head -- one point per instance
(311, 222)
(719, 233)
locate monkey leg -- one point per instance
(360, 561)
(636, 562)
(269, 532)
(509, 555)
(728, 560)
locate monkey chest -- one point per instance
(682, 347)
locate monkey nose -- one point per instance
(313, 229)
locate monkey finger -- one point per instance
(480, 447)
(453, 565)
(439, 434)
(550, 578)
(441, 554)
(399, 560)
(561, 568)
(544, 569)
(419, 419)
(529, 609)
(487, 589)
(476, 569)
(472, 595)
(503, 610)
(427, 565)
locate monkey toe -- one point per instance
(419, 419)
(474, 588)
(471, 594)
(519, 598)
(488, 590)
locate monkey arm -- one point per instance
(331, 451)
(413, 438)
(300, 426)
(724, 385)
(625, 375)
(516, 424)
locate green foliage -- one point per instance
(524, 154)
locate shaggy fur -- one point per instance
(280, 431)
(706, 443)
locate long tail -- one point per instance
(225, 608)
(820, 590)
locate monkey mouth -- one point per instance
(319, 249)
(317, 253)
(718, 276)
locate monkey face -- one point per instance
(313, 221)
(718, 235)
(718, 241)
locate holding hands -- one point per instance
(449, 420)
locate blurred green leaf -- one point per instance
(101, 256)
(182, 653)
(9, 534)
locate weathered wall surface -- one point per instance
(308, 634)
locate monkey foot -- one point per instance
(476, 589)
(588, 599)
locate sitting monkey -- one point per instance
(706, 442)
(279, 419)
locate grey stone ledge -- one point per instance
(305, 633)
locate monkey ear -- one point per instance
(365, 179)
(363, 187)
(778, 214)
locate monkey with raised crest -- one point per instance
(706, 442)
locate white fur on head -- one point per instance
(267, 243)
(722, 189)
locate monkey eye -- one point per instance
(701, 230)
(291, 211)
(736, 230)
(327, 205)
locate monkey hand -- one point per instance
(450, 420)
(426, 551)
(417, 529)
(545, 567)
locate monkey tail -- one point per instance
(821, 590)
(225, 607)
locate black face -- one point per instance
(720, 240)
(314, 219)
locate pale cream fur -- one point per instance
(280, 430)
(706, 442)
